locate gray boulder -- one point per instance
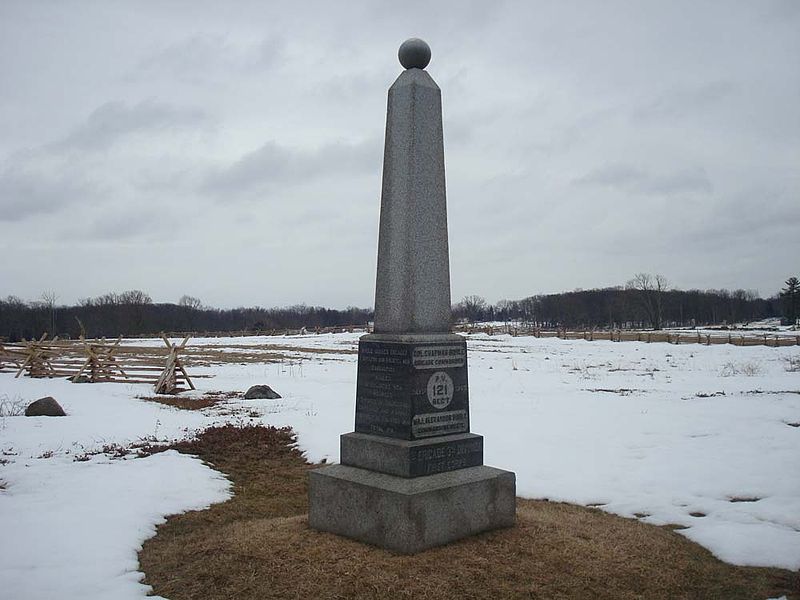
(261, 392)
(45, 407)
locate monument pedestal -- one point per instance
(408, 515)
(411, 476)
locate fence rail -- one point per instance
(93, 361)
(670, 337)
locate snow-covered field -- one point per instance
(707, 438)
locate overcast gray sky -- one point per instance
(232, 150)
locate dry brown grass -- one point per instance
(203, 356)
(309, 349)
(188, 403)
(200, 356)
(258, 545)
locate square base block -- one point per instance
(410, 515)
(411, 458)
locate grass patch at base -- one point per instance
(259, 545)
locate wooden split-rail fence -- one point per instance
(670, 337)
(93, 361)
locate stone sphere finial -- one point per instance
(414, 53)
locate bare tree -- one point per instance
(132, 307)
(528, 307)
(472, 307)
(135, 297)
(190, 302)
(190, 306)
(49, 298)
(650, 295)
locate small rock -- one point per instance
(261, 392)
(45, 407)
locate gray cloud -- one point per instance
(686, 101)
(204, 58)
(113, 121)
(634, 179)
(27, 190)
(63, 173)
(273, 166)
(84, 167)
(125, 223)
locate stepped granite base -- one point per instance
(408, 515)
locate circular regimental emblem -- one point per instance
(440, 389)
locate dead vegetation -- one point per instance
(619, 391)
(203, 356)
(258, 545)
(139, 449)
(311, 349)
(207, 400)
(709, 394)
(748, 369)
(12, 407)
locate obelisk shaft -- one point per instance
(412, 292)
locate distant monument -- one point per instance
(412, 475)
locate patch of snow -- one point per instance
(73, 529)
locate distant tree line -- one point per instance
(134, 313)
(644, 302)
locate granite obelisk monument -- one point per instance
(412, 474)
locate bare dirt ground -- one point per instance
(259, 545)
